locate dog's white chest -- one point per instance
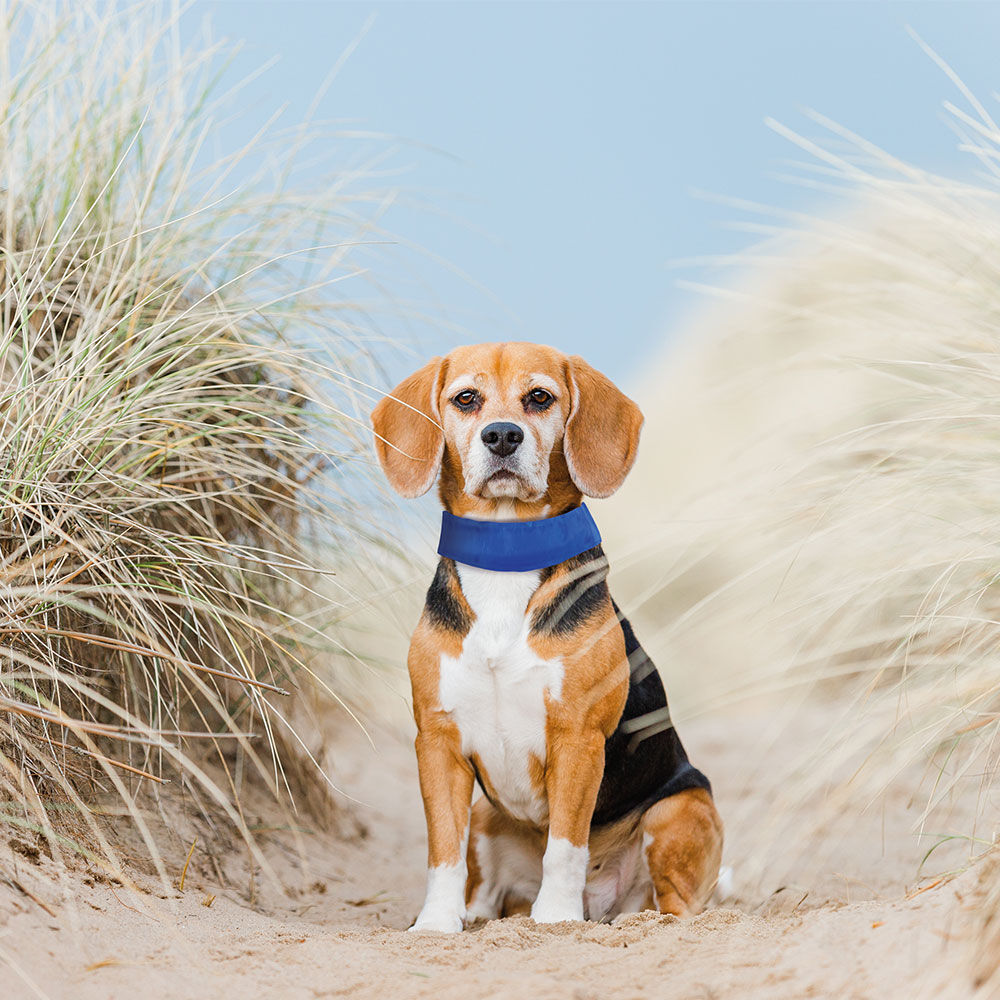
(495, 690)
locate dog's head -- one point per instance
(515, 422)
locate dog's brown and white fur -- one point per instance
(519, 682)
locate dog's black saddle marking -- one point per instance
(644, 759)
(442, 606)
(581, 597)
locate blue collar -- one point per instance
(517, 546)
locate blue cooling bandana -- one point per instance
(517, 546)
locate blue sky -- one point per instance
(552, 160)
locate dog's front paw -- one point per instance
(439, 921)
(553, 910)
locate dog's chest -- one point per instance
(495, 689)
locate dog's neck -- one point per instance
(518, 546)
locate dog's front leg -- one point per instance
(446, 781)
(573, 773)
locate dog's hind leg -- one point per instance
(483, 894)
(504, 862)
(682, 841)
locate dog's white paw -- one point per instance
(439, 921)
(444, 905)
(549, 910)
(724, 888)
(564, 876)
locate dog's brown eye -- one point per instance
(466, 399)
(540, 397)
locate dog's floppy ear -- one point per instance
(602, 431)
(409, 441)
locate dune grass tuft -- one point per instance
(834, 522)
(179, 424)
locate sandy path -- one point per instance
(847, 930)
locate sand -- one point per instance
(857, 919)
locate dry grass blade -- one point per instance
(187, 861)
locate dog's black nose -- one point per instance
(502, 438)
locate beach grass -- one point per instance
(826, 502)
(183, 433)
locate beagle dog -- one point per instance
(528, 681)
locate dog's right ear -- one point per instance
(602, 431)
(409, 440)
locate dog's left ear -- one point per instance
(602, 432)
(409, 441)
